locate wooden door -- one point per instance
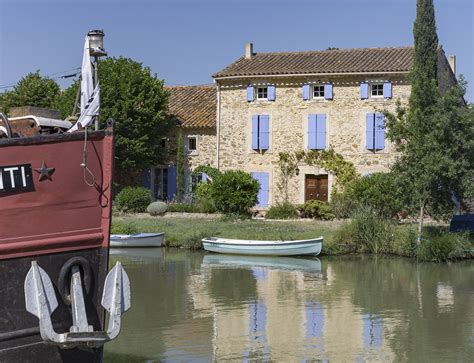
(316, 187)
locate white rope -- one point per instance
(84, 163)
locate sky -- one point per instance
(185, 41)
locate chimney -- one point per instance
(248, 50)
(452, 63)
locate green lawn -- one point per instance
(188, 232)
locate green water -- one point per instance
(189, 306)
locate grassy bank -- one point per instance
(340, 237)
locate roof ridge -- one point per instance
(340, 50)
(207, 85)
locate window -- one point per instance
(163, 142)
(376, 89)
(191, 144)
(260, 132)
(160, 183)
(318, 91)
(262, 93)
(195, 179)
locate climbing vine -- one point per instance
(329, 160)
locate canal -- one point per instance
(192, 306)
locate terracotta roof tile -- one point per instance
(193, 106)
(357, 60)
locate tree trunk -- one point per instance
(420, 223)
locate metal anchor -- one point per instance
(41, 301)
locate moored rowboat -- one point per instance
(265, 248)
(137, 240)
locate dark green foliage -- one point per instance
(370, 232)
(31, 90)
(441, 246)
(341, 205)
(283, 210)
(66, 99)
(180, 164)
(157, 208)
(133, 199)
(434, 135)
(379, 191)
(316, 209)
(234, 192)
(119, 227)
(426, 40)
(209, 170)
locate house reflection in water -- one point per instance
(289, 317)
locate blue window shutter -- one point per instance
(320, 132)
(171, 192)
(204, 178)
(379, 131)
(328, 91)
(264, 132)
(306, 89)
(250, 94)
(369, 129)
(271, 93)
(255, 132)
(312, 132)
(146, 178)
(387, 90)
(364, 91)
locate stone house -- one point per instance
(193, 108)
(269, 103)
(266, 103)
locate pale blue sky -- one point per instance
(185, 41)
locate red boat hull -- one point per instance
(65, 215)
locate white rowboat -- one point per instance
(137, 240)
(263, 248)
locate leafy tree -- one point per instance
(378, 191)
(434, 135)
(136, 100)
(180, 161)
(66, 99)
(31, 90)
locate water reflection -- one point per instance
(204, 307)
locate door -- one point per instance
(316, 187)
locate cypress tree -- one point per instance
(434, 136)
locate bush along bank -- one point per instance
(369, 233)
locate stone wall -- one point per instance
(346, 115)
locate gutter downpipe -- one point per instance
(218, 122)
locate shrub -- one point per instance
(157, 208)
(370, 232)
(341, 205)
(133, 199)
(441, 246)
(316, 209)
(119, 227)
(404, 240)
(181, 208)
(379, 191)
(283, 210)
(234, 192)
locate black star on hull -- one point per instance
(45, 172)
